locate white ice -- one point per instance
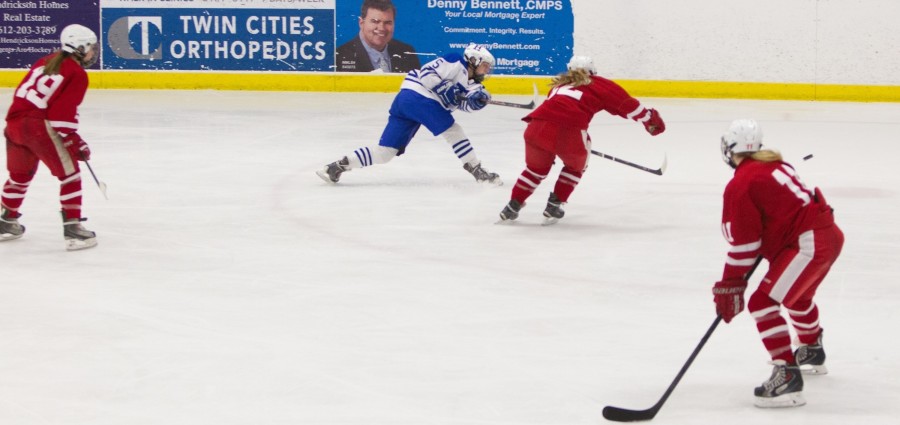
(232, 286)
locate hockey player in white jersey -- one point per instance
(428, 96)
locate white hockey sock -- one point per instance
(366, 156)
(462, 148)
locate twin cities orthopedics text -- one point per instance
(281, 38)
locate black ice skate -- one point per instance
(510, 211)
(783, 389)
(482, 175)
(9, 227)
(77, 237)
(331, 173)
(554, 210)
(811, 358)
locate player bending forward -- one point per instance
(428, 96)
(768, 211)
(41, 126)
(559, 128)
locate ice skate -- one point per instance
(554, 210)
(331, 173)
(482, 175)
(510, 211)
(783, 389)
(9, 227)
(811, 358)
(76, 236)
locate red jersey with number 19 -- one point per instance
(576, 106)
(766, 207)
(53, 97)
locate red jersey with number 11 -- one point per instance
(766, 208)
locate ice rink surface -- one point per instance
(232, 286)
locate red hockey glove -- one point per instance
(78, 148)
(655, 124)
(729, 297)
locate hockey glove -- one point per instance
(450, 93)
(655, 124)
(77, 147)
(478, 99)
(729, 297)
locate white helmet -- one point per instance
(478, 53)
(475, 55)
(743, 136)
(79, 40)
(582, 62)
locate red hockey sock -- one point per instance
(805, 318)
(528, 181)
(14, 193)
(773, 329)
(70, 196)
(565, 184)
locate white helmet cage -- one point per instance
(475, 55)
(79, 40)
(743, 136)
(582, 62)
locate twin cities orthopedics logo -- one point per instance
(148, 44)
(219, 39)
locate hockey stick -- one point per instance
(529, 105)
(658, 171)
(100, 184)
(619, 414)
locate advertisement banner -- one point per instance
(527, 37)
(219, 35)
(29, 29)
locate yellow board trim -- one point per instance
(338, 82)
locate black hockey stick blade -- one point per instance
(658, 171)
(618, 414)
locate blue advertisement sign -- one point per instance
(219, 35)
(527, 37)
(29, 29)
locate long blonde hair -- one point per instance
(575, 77)
(53, 64)
(762, 155)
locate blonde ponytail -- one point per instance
(53, 64)
(575, 77)
(767, 155)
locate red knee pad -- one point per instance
(760, 301)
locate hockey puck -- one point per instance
(807, 157)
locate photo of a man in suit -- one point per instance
(374, 49)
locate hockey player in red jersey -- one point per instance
(42, 126)
(769, 212)
(558, 127)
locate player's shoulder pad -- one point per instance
(453, 57)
